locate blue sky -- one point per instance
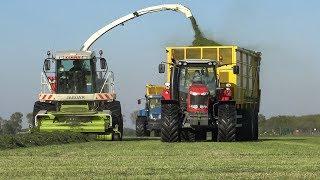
(286, 32)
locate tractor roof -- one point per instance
(74, 55)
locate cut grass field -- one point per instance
(284, 157)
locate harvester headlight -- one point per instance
(228, 85)
(179, 63)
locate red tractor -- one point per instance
(198, 104)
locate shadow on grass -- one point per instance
(141, 139)
(288, 139)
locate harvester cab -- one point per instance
(77, 95)
(148, 118)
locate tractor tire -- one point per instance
(39, 106)
(170, 125)
(227, 118)
(141, 129)
(117, 119)
(214, 135)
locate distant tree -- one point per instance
(133, 115)
(30, 119)
(1, 124)
(13, 125)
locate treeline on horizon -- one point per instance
(286, 125)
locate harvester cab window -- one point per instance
(74, 76)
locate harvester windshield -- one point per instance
(74, 76)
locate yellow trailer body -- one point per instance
(245, 85)
(154, 89)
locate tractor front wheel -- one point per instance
(227, 116)
(170, 127)
(141, 129)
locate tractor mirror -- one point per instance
(139, 101)
(236, 69)
(162, 68)
(103, 63)
(47, 65)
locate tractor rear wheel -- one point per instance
(227, 116)
(141, 129)
(170, 126)
(115, 108)
(39, 106)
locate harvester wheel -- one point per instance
(141, 129)
(170, 126)
(227, 116)
(39, 106)
(116, 114)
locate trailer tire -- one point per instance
(39, 106)
(115, 108)
(170, 125)
(141, 129)
(227, 116)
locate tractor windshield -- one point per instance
(199, 74)
(154, 103)
(74, 76)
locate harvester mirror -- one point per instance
(47, 65)
(139, 101)
(103, 63)
(236, 69)
(162, 68)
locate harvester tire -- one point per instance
(170, 126)
(115, 108)
(227, 116)
(39, 106)
(141, 129)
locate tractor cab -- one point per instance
(194, 84)
(153, 105)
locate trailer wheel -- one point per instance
(227, 115)
(255, 126)
(115, 108)
(38, 106)
(141, 129)
(170, 125)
